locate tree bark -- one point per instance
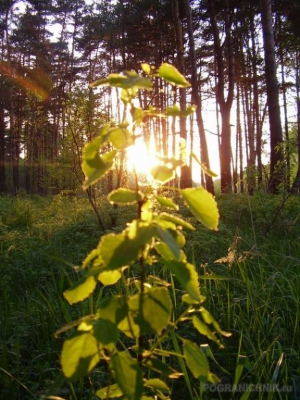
(276, 155)
(222, 52)
(186, 174)
(296, 183)
(196, 97)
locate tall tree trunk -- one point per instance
(296, 183)
(186, 174)
(276, 155)
(222, 52)
(285, 107)
(196, 97)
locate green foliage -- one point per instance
(142, 309)
(257, 299)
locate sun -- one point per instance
(141, 158)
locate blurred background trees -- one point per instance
(52, 50)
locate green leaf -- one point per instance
(120, 138)
(136, 81)
(189, 300)
(120, 250)
(146, 68)
(128, 80)
(202, 205)
(113, 250)
(162, 368)
(113, 309)
(81, 290)
(176, 220)
(109, 392)
(122, 196)
(204, 330)
(212, 378)
(165, 202)
(187, 275)
(156, 310)
(115, 80)
(89, 258)
(157, 384)
(209, 319)
(109, 277)
(137, 114)
(195, 359)
(172, 75)
(175, 111)
(141, 232)
(162, 173)
(95, 166)
(169, 240)
(178, 236)
(129, 327)
(203, 166)
(128, 375)
(79, 355)
(106, 333)
(164, 250)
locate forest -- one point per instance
(149, 199)
(244, 74)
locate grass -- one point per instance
(257, 298)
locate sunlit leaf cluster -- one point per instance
(127, 330)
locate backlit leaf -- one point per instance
(128, 375)
(109, 277)
(146, 68)
(195, 359)
(157, 384)
(95, 166)
(109, 392)
(172, 75)
(156, 310)
(128, 80)
(114, 251)
(203, 166)
(136, 81)
(189, 300)
(90, 257)
(79, 355)
(137, 114)
(115, 80)
(106, 333)
(81, 290)
(176, 220)
(202, 205)
(204, 330)
(164, 250)
(122, 196)
(209, 319)
(162, 368)
(187, 275)
(175, 111)
(113, 309)
(129, 327)
(120, 250)
(120, 138)
(166, 202)
(169, 240)
(162, 173)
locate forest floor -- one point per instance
(256, 250)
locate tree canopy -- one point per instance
(245, 87)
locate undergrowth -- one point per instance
(253, 289)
